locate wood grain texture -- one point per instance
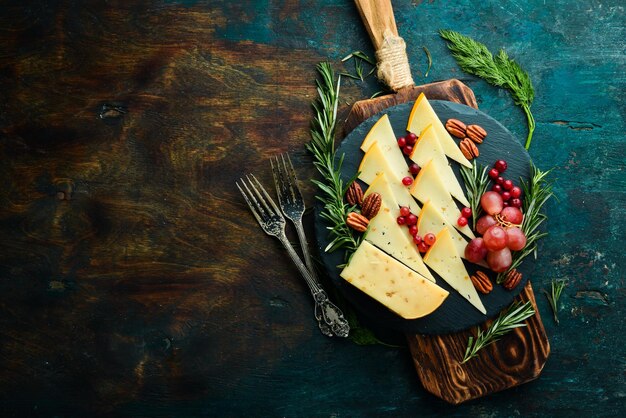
(377, 16)
(516, 358)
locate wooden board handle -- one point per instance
(377, 17)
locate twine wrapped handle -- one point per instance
(393, 63)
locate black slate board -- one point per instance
(456, 314)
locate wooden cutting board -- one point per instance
(518, 357)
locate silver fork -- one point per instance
(329, 317)
(272, 222)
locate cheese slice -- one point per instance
(391, 283)
(382, 134)
(428, 186)
(374, 162)
(429, 148)
(423, 115)
(444, 259)
(384, 232)
(430, 220)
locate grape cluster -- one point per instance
(500, 227)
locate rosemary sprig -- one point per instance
(322, 146)
(537, 190)
(359, 59)
(500, 70)
(508, 320)
(553, 297)
(476, 182)
(429, 59)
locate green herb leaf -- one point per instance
(476, 181)
(508, 320)
(553, 297)
(322, 146)
(430, 61)
(501, 71)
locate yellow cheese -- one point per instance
(382, 134)
(423, 115)
(430, 220)
(391, 283)
(374, 162)
(444, 259)
(428, 186)
(384, 232)
(428, 148)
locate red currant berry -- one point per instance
(417, 239)
(497, 188)
(413, 230)
(401, 220)
(407, 150)
(405, 211)
(414, 169)
(462, 221)
(506, 204)
(411, 138)
(493, 174)
(466, 212)
(422, 247)
(401, 142)
(501, 166)
(407, 181)
(430, 239)
(500, 180)
(506, 196)
(507, 184)
(411, 219)
(516, 192)
(516, 202)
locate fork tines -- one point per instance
(289, 195)
(261, 204)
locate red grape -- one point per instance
(491, 202)
(484, 223)
(500, 260)
(516, 240)
(495, 238)
(512, 214)
(475, 251)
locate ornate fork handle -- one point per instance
(331, 314)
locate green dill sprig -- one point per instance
(476, 181)
(499, 70)
(322, 146)
(555, 295)
(508, 320)
(537, 190)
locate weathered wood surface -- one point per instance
(133, 281)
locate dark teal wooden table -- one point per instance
(133, 280)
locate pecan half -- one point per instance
(481, 282)
(456, 128)
(476, 133)
(354, 194)
(357, 221)
(512, 279)
(371, 205)
(469, 149)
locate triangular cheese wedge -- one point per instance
(384, 232)
(429, 148)
(423, 115)
(382, 134)
(374, 162)
(443, 258)
(391, 283)
(428, 186)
